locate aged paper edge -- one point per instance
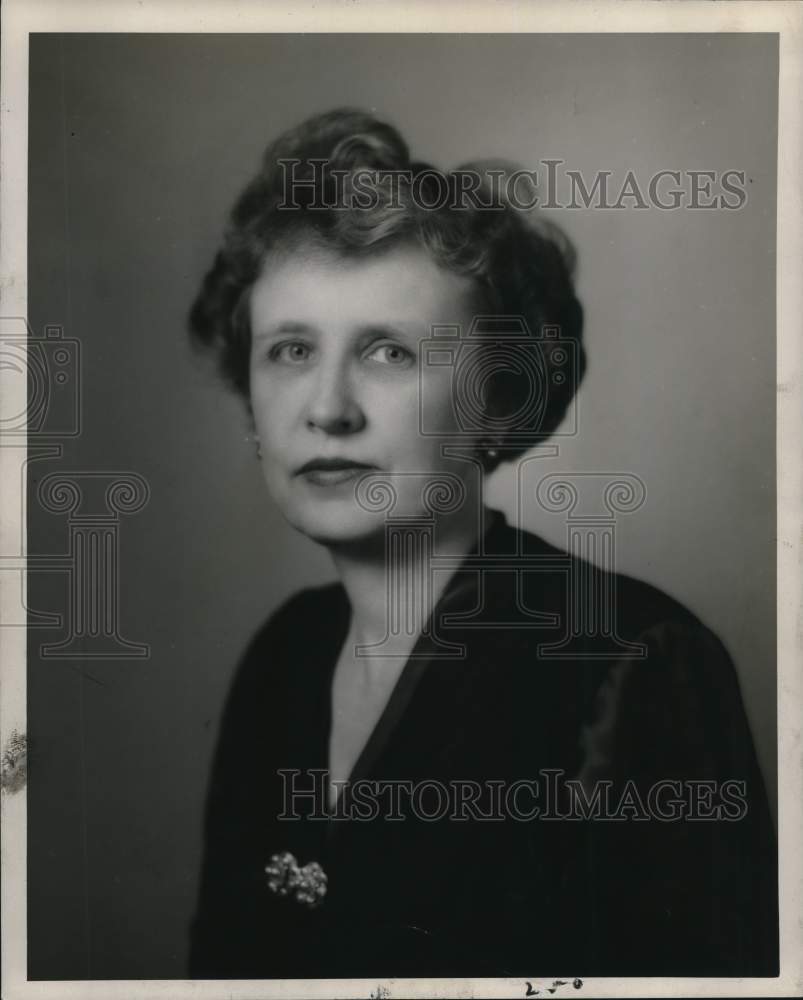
(21, 17)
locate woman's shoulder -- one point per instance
(629, 640)
(645, 691)
(566, 576)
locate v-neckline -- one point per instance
(395, 706)
(402, 692)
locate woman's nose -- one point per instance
(333, 406)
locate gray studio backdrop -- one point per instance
(138, 144)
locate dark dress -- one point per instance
(650, 893)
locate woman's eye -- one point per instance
(390, 354)
(293, 352)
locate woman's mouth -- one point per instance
(333, 471)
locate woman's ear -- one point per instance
(251, 432)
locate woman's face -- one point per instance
(336, 384)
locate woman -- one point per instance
(434, 767)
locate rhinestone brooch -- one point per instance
(307, 885)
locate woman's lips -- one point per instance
(333, 477)
(333, 472)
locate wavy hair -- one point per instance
(522, 265)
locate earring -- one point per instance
(258, 445)
(487, 454)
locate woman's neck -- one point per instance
(378, 576)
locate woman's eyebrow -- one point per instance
(283, 326)
(408, 330)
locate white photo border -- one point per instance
(23, 17)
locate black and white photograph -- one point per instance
(401, 500)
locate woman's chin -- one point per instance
(337, 528)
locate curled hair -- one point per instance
(521, 267)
